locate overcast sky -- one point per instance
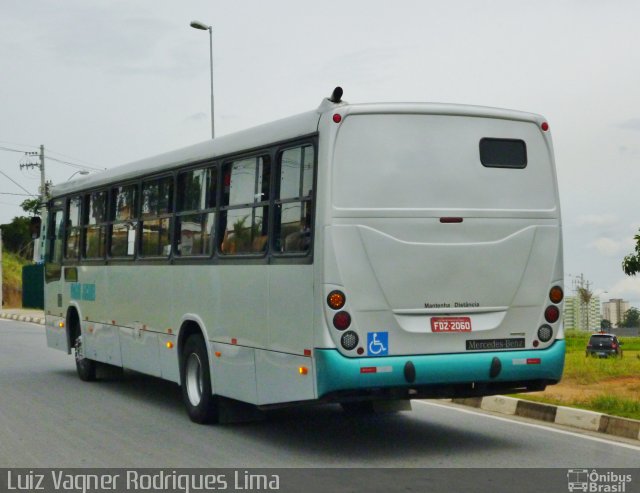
(102, 83)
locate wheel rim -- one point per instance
(194, 379)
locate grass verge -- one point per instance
(606, 385)
(12, 279)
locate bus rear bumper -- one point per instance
(441, 375)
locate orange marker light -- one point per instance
(336, 299)
(218, 354)
(556, 294)
(61, 325)
(303, 370)
(169, 345)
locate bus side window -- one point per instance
(124, 220)
(72, 231)
(294, 201)
(195, 216)
(53, 264)
(244, 220)
(157, 207)
(94, 226)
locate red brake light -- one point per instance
(544, 126)
(337, 118)
(552, 314)
(341, 320)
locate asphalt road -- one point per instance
(49, 418)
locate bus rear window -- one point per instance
(503, 153)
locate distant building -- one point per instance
(581, 317)
(613, 310)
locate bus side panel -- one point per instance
(291, 300)
(56, 335)
(101, 342)
(241, 309)
(234, 372)
(284, 377)
(168, 357)
(140, 350)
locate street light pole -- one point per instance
(204, 27)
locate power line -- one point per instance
(18, 194)
(16, 183)
(10, 150)
(74, 165)
(68, 163)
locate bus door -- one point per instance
(56, 335)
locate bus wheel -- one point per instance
(201, 404)
(86, 367)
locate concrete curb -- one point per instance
(567, 416)
(22, 318)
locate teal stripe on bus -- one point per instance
(337, 372)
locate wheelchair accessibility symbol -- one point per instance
(377, 343)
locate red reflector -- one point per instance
(307, 352)
(337, 118)
(544, 126)
(614, 346)
(234, 341)
(449, 220)
(368, 369)
(533, 361)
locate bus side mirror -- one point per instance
(34, 227)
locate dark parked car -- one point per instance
(604, 345)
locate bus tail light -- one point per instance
(552, 314)
(341, 320)
(556, 295)
(349, 340)
(545, 332)
(336, 299)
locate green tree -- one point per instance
(631, 318)
(16, 236)
(631, 263)
(31, 206)
(605, 324)
(585, 295)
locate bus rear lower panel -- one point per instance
(437, 376)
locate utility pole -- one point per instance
(43, 194)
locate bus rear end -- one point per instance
(442, 253)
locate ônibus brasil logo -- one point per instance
(597, 482)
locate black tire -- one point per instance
(358, 408)
(86, 368)
(195, 379)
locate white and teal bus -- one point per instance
(362, 254)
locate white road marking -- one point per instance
(532, 425)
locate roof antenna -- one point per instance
(336, 95)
